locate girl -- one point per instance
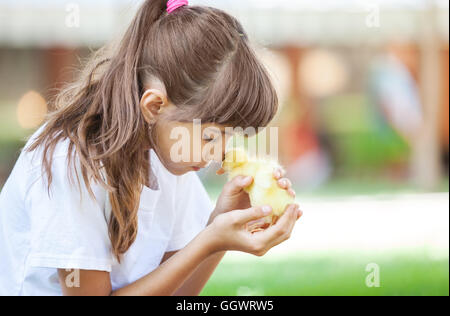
(96, 205)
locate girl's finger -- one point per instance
(288, 230)
(263, 224)
(299, 214)
(283, 226)
(291, 192)
(284, 183)
(242, 217)
(256, 226)
(278, 173)
(257, 223)
(237, 184)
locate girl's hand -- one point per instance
(284, 183)
(229, 232)
(233, 196)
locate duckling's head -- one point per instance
(234, 158)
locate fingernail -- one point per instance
(246, 179)
(266, 210)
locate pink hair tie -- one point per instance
(172, 5)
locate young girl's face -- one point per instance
(184, 147)
(181, 146)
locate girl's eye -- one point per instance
(209, 139)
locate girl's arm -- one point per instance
(173, 273)
(195, 284)
(197, 281)
(164, 280)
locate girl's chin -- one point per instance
(183, 170)
(176, 169)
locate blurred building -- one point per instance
(320, 54)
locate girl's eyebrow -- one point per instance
(223, 132)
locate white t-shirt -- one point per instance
(40, 234)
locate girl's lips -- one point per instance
(202, 167)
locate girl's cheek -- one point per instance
(213, 152)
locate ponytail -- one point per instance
(125, 128)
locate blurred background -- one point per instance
(363, 130)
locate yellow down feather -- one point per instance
(264, 189)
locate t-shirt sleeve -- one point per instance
(193, 208)
(69, 226)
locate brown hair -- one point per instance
(210, 72)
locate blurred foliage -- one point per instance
(9, 151)
(358, 142)
(370, 151)
(345, 113)
(12, 139)
(10, 129)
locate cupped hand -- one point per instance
(229, 231)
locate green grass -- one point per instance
(12, 139)
(10, 129)
(406, 275)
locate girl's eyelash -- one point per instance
(209, 139)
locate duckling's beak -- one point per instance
(220, 171)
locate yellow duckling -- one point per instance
(264, 189)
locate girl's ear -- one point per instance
(152, 104)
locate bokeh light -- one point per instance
(31, 110)
(279, 70)
(322, 73)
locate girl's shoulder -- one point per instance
(33, 159)
(65, 177)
